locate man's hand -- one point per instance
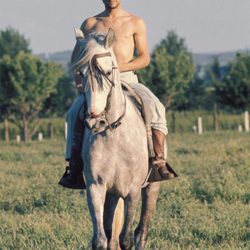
(78, 82)
(122, 67)
(140, 62)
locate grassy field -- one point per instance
(206, 208)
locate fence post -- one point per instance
(246, 121)
(50, 130)
(240, 129)
(174, 121)
(18, 138)
(199, 125)
(6, 131)
(215, 118)
(40, 136)
(194, 129)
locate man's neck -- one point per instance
(113, 13)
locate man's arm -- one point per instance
(141, 44)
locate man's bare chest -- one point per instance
(123, 29)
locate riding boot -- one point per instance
(73, 177)
(159, 161)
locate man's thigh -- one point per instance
(147, 95)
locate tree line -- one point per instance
(31, 88)
(177, 82)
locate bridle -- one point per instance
(91, 75)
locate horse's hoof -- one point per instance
(126, 244)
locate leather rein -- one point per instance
(91, 74)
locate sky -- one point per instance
(206, 25)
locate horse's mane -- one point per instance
(86, 50)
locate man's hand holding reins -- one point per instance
(78, 81)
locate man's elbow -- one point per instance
(146, 60)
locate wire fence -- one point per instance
(178, 122)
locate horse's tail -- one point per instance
(118, 221)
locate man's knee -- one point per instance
(159, 121)
(74, 109)
(162, 110)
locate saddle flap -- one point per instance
(145, 112)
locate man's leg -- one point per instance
(71, 119)
(159, 161)
(73, 177)
(159, 128)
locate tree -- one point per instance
(25, 83)
(171, 70)
(215, 72)
(234, 90)
(213, 77)
(196, 93)
(59, 102)
(12, 42)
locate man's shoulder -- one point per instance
(136, 19)
(88, 23)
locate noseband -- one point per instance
(94, 64)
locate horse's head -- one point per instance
(96, 61)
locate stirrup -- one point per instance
(79, 182)
(161, 170)
(164, 173)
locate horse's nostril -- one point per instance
(102, 123)
(91, 114)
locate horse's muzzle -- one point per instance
(96, 124)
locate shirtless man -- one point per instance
(130, 34)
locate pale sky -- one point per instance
(206, 25)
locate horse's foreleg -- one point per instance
(96, 199)
(126, 237)
(118, 221)
(149, 200)
(111, 202)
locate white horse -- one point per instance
(115, 151)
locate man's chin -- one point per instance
(112, 6)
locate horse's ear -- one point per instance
(110, 38)
(78, 33)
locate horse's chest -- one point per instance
(118, 160)
(109, 155)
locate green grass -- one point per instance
(206, 208)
